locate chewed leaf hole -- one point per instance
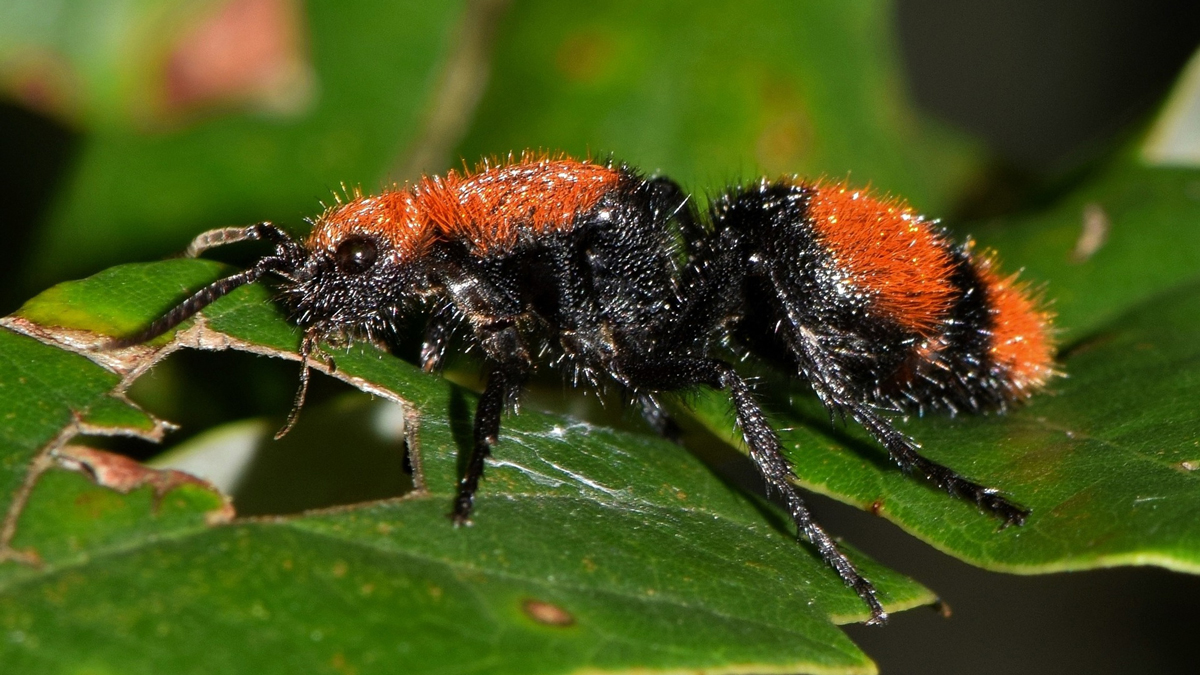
(346, 451)
(348, 447)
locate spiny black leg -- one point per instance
(765, 451)
(494, 316)
(487, 432)
(904, 452)
(767, 454)
(825, 375)
(307, 345)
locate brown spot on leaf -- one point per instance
(338, 662)
(547, 613)
(1093, 234)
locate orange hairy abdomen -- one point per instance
(888, 252)
(1019, 344)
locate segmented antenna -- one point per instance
(188, 308)
(222, 287)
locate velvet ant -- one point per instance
(613, 276)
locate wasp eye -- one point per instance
(355, 255)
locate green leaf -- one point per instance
(592, 549)
(1150, 243)
(656, 564)
(46, 390)
(269, 476)
(708, 92)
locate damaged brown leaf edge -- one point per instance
(124, 475)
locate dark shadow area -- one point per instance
(1049, 85)
(334, 456)
(198, 390)
(341, 451)
(1084, 345)
(1051, 88)
(461, 424)
(1102, 622)
(35, 158)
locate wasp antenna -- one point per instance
(287, 249)
(188, 308)
(215, 238)
(232, 235)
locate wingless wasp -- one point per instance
(613, 276)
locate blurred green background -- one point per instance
(130, 125)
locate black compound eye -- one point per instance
(355, 255)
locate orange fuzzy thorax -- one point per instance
(488, 208)
(888, 251)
